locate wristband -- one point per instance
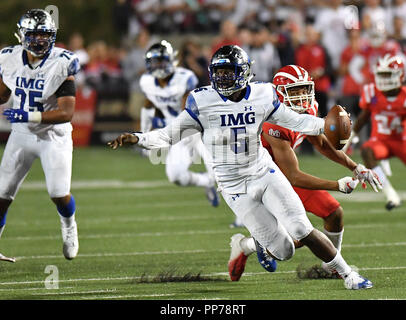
(35, 116)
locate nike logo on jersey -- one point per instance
(22, 82)
(239, 119)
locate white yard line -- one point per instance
(198, 251)
(121, 235)
(356, 196)
(129, 296)
(52, 292)
(169, 234)
(102, 184)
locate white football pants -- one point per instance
(272, 212)
(21, 151)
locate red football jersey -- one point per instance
(295, 138)
(387, 115)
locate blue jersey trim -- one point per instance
(273, 111)
(276, 103)
(25, 58)
(192, 109)
(195, 118)
(26, 63)
(222, 97)
(248, 92)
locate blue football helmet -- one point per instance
(160, 59)
(36, 31)
(230, 70)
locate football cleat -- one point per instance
(238, 259)
(212, 196)
(264, 259)
(355, 282)
(8, 259)
(391, 205)
(70, 241)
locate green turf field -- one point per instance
(137, 231)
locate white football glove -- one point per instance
(347, 184)
(363, 174)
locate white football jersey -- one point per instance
(169, 98)
(33, 88)
(231, 131)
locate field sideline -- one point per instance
(137, 232)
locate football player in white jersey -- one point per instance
(39, 78)
(166, 87)
(230, 115)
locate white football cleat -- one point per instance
(8, 259)
(355, 282)
(236, 263)
(70, 241)
(392, 197)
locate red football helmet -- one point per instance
(389, 72)
(294, 87)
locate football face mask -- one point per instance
(38, 43)
(298, 96)
(36, 32)
(224, 76)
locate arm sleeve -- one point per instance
(304, 123)
(67, 88)
(183, 126)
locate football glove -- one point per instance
(347, 184)
(16, 115)
(363, 174)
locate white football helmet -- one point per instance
(389, 72)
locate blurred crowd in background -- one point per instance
(337, 41)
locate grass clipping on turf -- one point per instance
(314, 272)
(173, 276)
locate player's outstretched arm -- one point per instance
(123, 139)
(360, 172)
(323, 146)
(287, 161)
(305, 123)
(181, 127)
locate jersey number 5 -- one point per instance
(238, 144)
(33, 105)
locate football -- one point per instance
(337, 126)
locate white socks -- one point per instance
(200, 179)
(388, 190)
(146, 119)
(1, 230)
(248, 245)
(381, 175)
(67, 222)
(335, 237)
(338, 264)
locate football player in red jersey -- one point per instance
(295, 89)
(384, 103)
